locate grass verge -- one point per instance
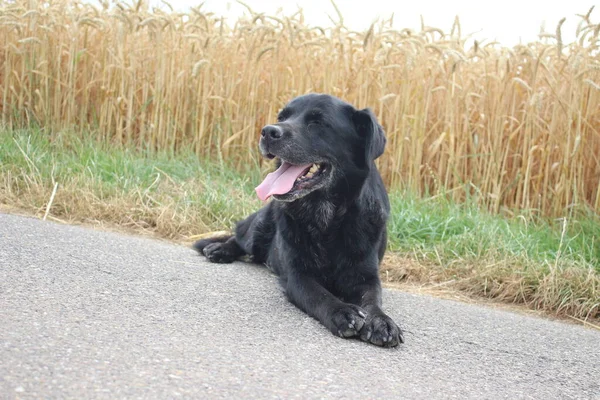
(551, 265)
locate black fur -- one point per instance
(325, 242)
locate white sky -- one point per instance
(507, 21)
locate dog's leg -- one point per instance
(342, 319)
(379, 328)
(255, 234)
(222, 249)
(202, 243)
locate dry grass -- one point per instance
(565, 290)
(79, 201)
(510, 127)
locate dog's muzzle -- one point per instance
(269, 134)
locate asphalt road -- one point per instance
(91, 314)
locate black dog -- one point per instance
(325, 232)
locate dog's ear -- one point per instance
(367, 127)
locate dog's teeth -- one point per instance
(309, 175)
(314, 168)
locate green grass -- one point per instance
(443, 231)
(547, 264)
(97, 179)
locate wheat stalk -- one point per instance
(510, 118)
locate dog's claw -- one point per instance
(346, 321)
(381, 330)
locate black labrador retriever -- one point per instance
(325, 232)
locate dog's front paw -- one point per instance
(381, 330)
(347, 320)
(219, 253)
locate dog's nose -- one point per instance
(272, 131)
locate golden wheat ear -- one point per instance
(517, 124)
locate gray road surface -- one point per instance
(91, 314)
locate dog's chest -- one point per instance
(335, 239)
(317, 217)
(322, 236)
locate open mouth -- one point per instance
(291, 181)
(309, 176)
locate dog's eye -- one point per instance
(314, 118)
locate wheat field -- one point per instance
(511, 128)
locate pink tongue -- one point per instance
(280, 181)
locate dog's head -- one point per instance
(321, 143)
